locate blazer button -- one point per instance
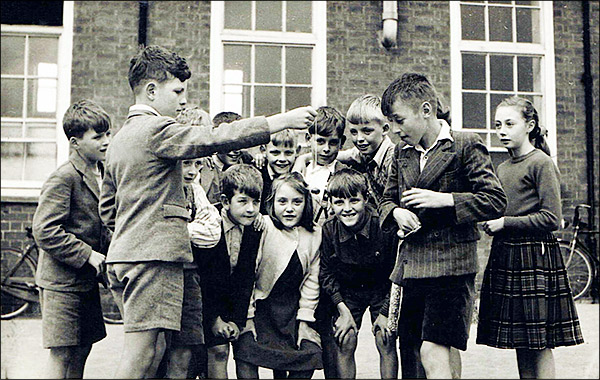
(436, 234)
(377, 253)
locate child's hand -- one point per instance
(221, 328)
(259, 223)
(492, 227)
(423, 198)
(97, 260)
(235, 331)
(298, 118)
(308, 333)
(381, 326)
(249, 328)
(301, 162)
(260, 159)
(344, 324)
(406, 220)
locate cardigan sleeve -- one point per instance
(309, 291)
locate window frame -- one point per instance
(220, 36)
(30, 190)
(544, 50)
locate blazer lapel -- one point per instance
(409, 167)
(86, 173)
(439, 159)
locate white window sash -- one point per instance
(14, 189)
(317, 40)
(544, 50)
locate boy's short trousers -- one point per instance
(357, 300)
(362, 298)
(438, 310)
(149, 294)
(191, 332)
(71, 318)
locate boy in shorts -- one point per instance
(72, 242)
(357, 258)
(142, 199)
(227, 271)
(442, 180)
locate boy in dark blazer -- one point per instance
(142, 199)
(72, 241)
(227, 271)
(443, 182)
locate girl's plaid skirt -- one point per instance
(526, 300)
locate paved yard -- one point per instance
(23, 356)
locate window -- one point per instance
(267, 56)
(500, 49)
(36, 63)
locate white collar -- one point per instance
(444, 134)
(144, 107)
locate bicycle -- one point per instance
(580, 261)
(18, 287)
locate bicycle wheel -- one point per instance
(20, 286)
(110, 311)
(579, 270)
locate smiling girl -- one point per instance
(278, 333)
(526, 301)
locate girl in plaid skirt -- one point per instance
(526, 301)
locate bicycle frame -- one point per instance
(22, 290)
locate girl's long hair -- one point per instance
(537, 136)
(296, 182)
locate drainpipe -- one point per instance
(587, 81)
(143, 23)
(390, 24)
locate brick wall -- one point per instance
(15, 218)
(106, 37)
(570, 103)
(357, 63)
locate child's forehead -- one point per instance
(280, 145)
(373, 123)
(241, 194)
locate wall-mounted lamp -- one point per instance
(390, 24)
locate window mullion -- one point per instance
(253, 16)
(515, 75)
(283, 78)
(486, 22)
(252, 72)
(284, 16)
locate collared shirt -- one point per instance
(233, 238)
(317, 176)
(144, 107)
(351, 261)
(376, 169)
(205, 227)
(443, 135)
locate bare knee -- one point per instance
(384, 348)
(61, 354)
(219, 353)
(348, 346)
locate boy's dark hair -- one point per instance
(225, 117)
(346, 183)
(156, 62)
(83, 115)
(327, 122)
(296, 181)
(414, 89)
(244, 178)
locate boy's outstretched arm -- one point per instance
(487, 199)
